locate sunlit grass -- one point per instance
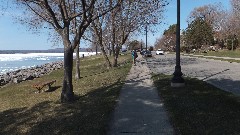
(219, 58)
(24, 111)
(222, 53)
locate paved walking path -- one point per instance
(139, 111)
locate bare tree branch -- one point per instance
(52, 14)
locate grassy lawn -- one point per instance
(229, 60)
(23, 111)
(199, 108)
(222, 53)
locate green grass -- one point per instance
(23, 111)
(221, 59)
(199, 108)
(222, 53)
(229, 60)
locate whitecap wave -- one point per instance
(21, 57)
(42, 58)
(10, 62)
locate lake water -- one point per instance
(11, 62)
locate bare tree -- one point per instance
(132, 17)
(114, 29)
(95, 35)
(165, 42)
(74, 30)
(98, 26)
(60, 15)
(236, 8)
(235, 18)
(229, 23)
(210, 13)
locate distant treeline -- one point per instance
(57, 50)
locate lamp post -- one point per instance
(146, 36)
(177, 80)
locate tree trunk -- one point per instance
(109, 51)
(106, 57)
(113, 30)
(115, 60)
(67, 94)
(96, 50)
(113, 45)
(77, 75)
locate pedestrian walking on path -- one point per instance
(134, 56)
(139, 109)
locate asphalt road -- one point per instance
(222, 74)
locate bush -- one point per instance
(183, 48)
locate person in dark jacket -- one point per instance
(134, 56)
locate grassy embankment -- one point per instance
(23, 111)
(221, 53)
(199, 108)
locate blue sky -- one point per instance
(14, 36)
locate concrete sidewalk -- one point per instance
(139, 111)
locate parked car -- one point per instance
(147, 54)
(124, 50)
(159, 52)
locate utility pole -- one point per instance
(177, 80)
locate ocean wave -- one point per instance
(10, 59)
(10, 62)
(42, 58)
(22, 57)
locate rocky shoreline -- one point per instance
(29, 73)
